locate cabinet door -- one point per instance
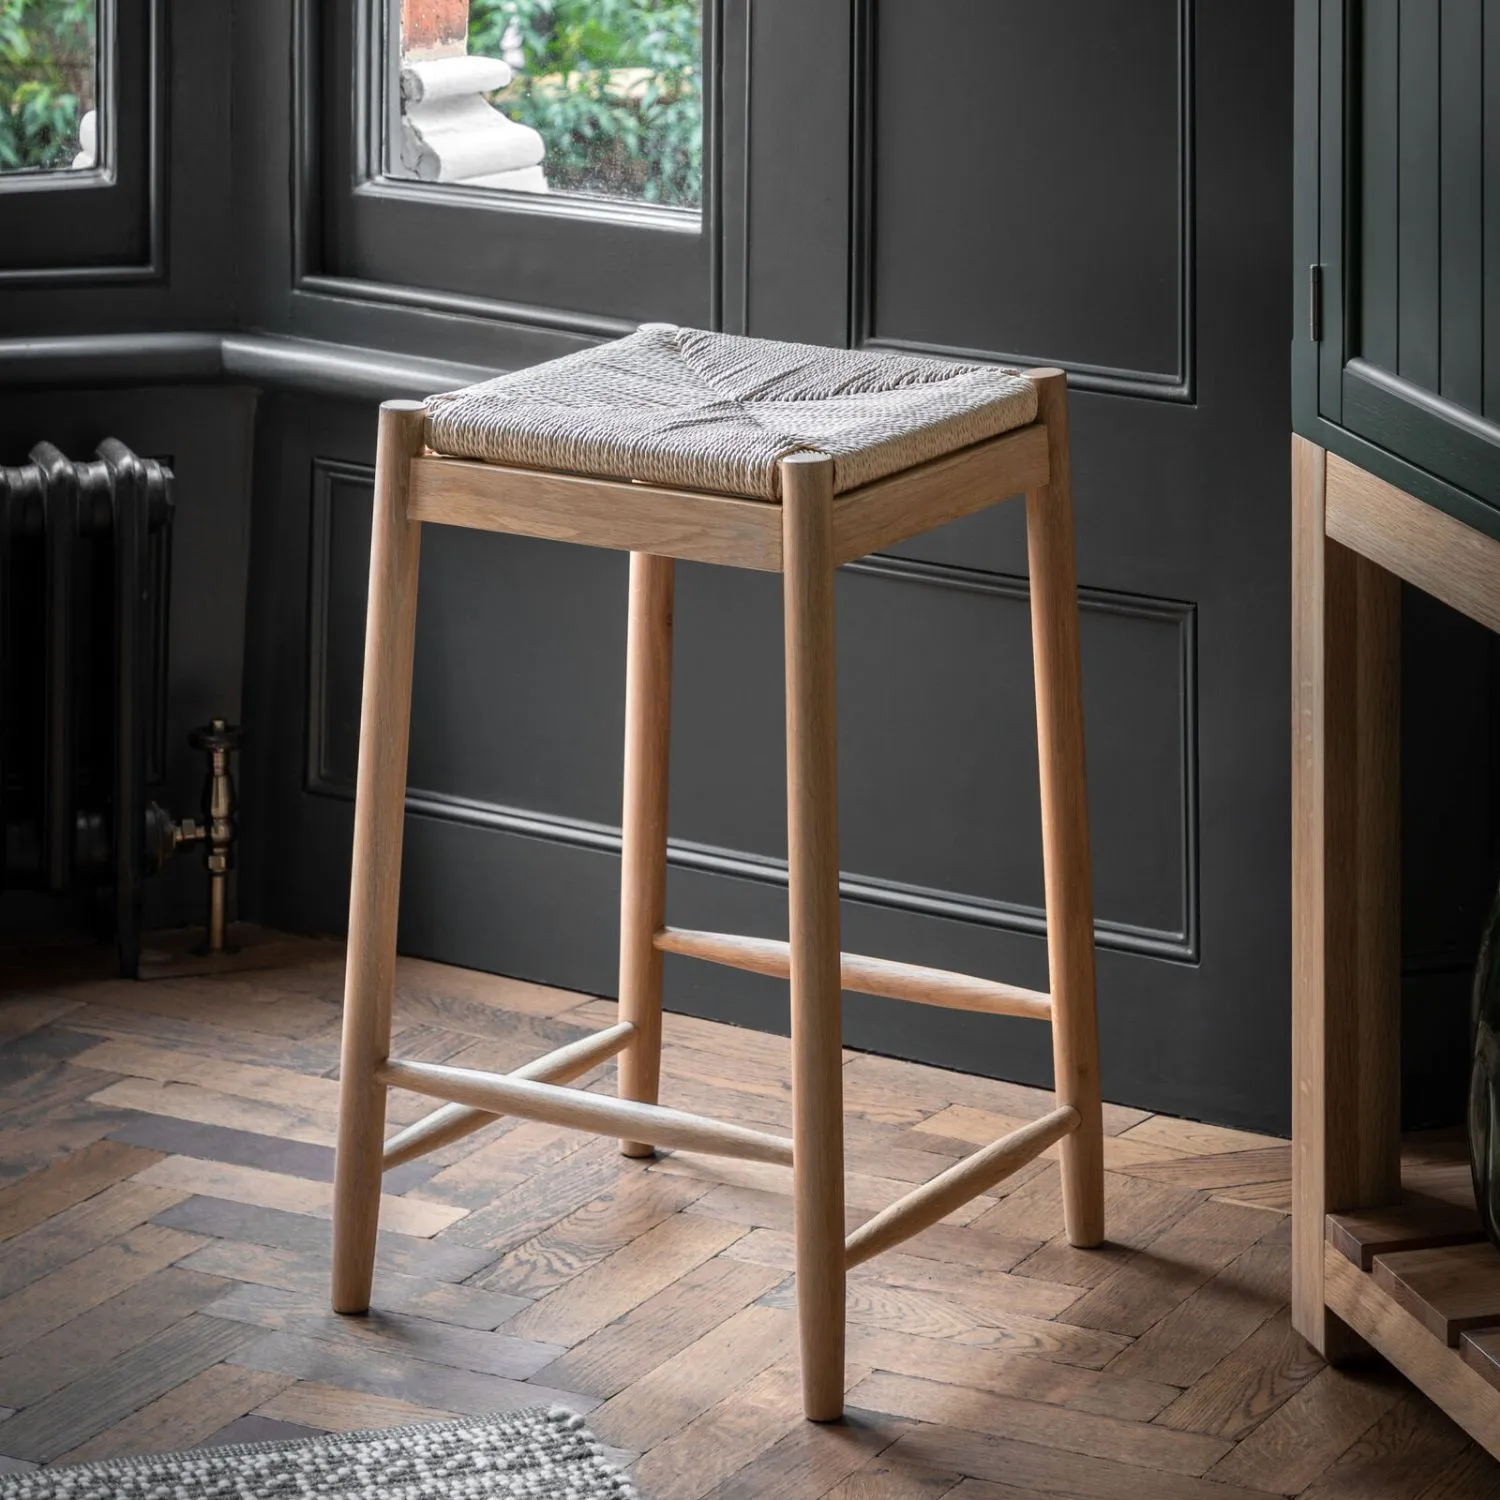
(1408, 228)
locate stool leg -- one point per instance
(643, 864)
(813, 857)
(1065, 827)
(379, 812)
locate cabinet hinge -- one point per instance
(1315, 304)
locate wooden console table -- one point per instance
(1398, 1265)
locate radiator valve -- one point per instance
(219, 739)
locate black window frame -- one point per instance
(106, 222)
(553, 260)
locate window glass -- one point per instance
(48, 85)
(599, 98)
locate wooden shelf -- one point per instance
(1419, 1282)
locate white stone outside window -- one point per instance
(450, 132)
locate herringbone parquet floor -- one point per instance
(164, 1168)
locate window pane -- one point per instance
(595, 97)
(48, 84)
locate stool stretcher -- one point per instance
(454, 1121)
(864, 976)
(935, 1200)
(498, 1094)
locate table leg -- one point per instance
(1346, 890)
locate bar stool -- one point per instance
(678, 443)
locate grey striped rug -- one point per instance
(524, 1455)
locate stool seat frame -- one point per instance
(805, 537)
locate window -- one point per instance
(527, 163)
(597, 98)
(82, 140)
(48, 85)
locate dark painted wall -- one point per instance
(1084, 183)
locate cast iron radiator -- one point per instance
(84, 556)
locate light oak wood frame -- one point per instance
(805, 537)
(1355, 537)
(1346, 906)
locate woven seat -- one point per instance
(711, 411)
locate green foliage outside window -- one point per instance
(612, 86)
(46, 80)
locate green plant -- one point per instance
(46, 79)
(613, 87)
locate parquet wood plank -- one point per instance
(1193, 1138)
(194, 1104)
(207, 1037)
(619, 1282)
(1472, 1475)
(331, 1409)
(720, 1442)
(958, 1245)
(886, 1478)
(74, 1232)
(191, 1175)
(504, 1155)
(983, 1290)
(1170, 1269)
(1249, 1383)
(244, 1006)
(1142, 1444)
(519, 1213)
(468, 1002)
(167, 1134)
(1027, 1469)
(483, 1352)
(1396, 1458)
(637, 1203)
(1308, 1432)
(667, 1398)
(1237, 1169)
(185, 1417)
(863, 1191)
(20, 1014)
(71, 1180)
(307, 1272)
(873, 1304)
(1135, 1213)
(45, 1304)
(1186, 1344)
(932, 1089)
(813, 1457)
(220, 1218)
(214, 1141)
(298, 1093)
(632, 1346)
(101, 1334)
(981, 1126)
(383, 1370)
(1099, 1391)
(108, 1394)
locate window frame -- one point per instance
(106, 222)
(550, 260)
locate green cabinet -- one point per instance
(1396, 359)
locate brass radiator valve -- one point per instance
(219, 828)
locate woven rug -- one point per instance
(524, 1455)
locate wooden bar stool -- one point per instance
(676, 443)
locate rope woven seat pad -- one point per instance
(714, 411)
